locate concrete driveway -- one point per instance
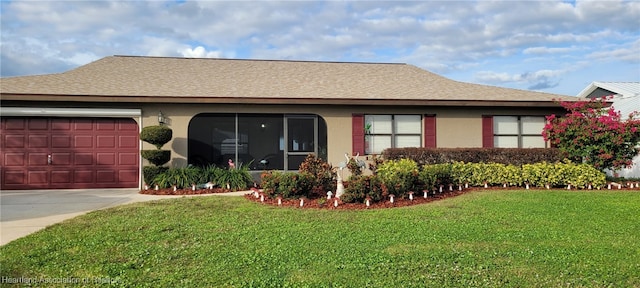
(27, 211)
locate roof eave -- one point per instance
(274, 101)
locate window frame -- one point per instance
(393, 134)
(520, 135)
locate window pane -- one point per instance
(532, 124)
(505, 125)
(407, 141)
(375, 144)
(408, 124)
(260, 136)
(301, 134)
(212, 139)
(505, 141)
(380, 124)
(533, 142)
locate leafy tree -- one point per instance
(593, 133)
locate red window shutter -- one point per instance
(487, 131)
(430, 131)
(357, 133)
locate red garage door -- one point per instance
(68, 153)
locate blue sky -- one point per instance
(550, 46)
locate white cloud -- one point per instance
(200, 52)
(488, 41)
(548, 50)
(537, 80)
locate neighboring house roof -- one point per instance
(624, 89)
(626, 95)
(206, 80)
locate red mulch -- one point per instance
(183, 191)
(330, 205)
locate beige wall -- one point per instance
(456, 127)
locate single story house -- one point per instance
(626, 99)
(80, 128)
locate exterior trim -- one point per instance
(69, 112)
(357, 134)
(430, 140)
(266, 100)
(487, 131)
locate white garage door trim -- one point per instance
(69, 112)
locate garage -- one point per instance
(69, 152)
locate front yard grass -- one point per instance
(480, 239)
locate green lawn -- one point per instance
(480, 239)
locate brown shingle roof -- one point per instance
(160, 79)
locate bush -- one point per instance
(398, 176)
(538, 174)
(180, 177)
(287, 184)
(150, 172)
(156, 135)
(234, 179)
(432, 176)
(322, 172)
(156, 157)
(361, 187)
(211, 173)
(515, 156)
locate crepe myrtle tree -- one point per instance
(157, 136)
(593, 132)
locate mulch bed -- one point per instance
(170, 191)
(330, 205)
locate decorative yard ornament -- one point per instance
(341, 166)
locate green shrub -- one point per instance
(234, 179)
(398, 176)
(180, 177)
(287, 184)
(150, 172)
(211, 173)
(427, 177)
(361, 187)
(461, 173)
(515, 156)
(156, 157)
(322, 172)
(156, 135)
(536, 175)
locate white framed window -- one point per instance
(392, 131)
(518, 131)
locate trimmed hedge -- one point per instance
(149, 173)
(399, 177)
(515, 156)
(542, 174)
(157, 135)
(156, 157)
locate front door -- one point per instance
(302, 135)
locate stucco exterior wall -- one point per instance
(455, 127)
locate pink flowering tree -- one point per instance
(594, 133)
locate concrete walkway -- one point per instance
(27, 211)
